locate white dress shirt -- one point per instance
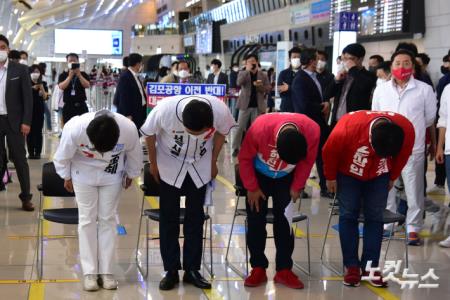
(140, 86)
(177, 152)
(417, 102)
(77, 159)
(3, 75)
(444, 114)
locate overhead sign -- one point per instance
(301, 14)
(346, 21)
(158, 91)
(320, 10)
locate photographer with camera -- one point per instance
(254, 85)
(73, 83)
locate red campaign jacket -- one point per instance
(349, 152)
(259, 152)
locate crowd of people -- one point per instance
(366, 130)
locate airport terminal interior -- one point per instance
(83, 51)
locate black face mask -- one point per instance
(444, 70)
(372, 69)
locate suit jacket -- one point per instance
(245, 83)
(306, 98)
(129, 98)
(359, 96)
(223, 79)
(18, 96)
(286, 76)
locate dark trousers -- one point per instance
(371, 196)
(16, 146)
(71, 110)
(440, 174)
(169, 225)
(34, 138)
(324, 132)
(279, 189)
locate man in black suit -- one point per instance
(307, 98)
(130, 92)
(216, 76)
(16, 109)
(285, 80)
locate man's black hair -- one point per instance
(125, 61)
(216, 62)
(403, 52)
(42, 67)
(385, 66)
(103, 132)
(197, 115)
(387, 139)
(175, 63)
(234, 65)
(24, 52)
(425, 58)
(307, 56)
(379, 58)
(4, 39)
(14, 54)
(291, 146)
(72, 54)
(134, 59)
(34, 67)
(411, 47)
(255, 56)
(295, 50)
(183, 62)
(446, 58)
(320, 52)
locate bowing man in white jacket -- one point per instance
(184, 137)
(417, 102)
(99, 153)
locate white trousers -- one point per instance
(413, 180)
(97, 206)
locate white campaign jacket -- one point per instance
(417, 103)
(178, 153)
(444, 114)
(77, 159)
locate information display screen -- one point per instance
(95, 42)
(204, 38)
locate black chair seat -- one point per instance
(153, 214)
(388, 217)
(61, 215)
(270, 217)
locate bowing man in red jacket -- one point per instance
(275, 160)
(363, 156)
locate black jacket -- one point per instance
(129, 98)
(306, 97)
(325, 78)
(286, 76)
(359, 96)
(223, 79)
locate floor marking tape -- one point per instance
(213, 294)
(36, 291)
(383, 293)
(34, 281)
(49, 236)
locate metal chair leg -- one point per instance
(391, 232)
(246, 247)
(232, 227)
(406, 249)
(328, 229)
(140, 269)
(309, 248)
(41, 239)
(211, 247)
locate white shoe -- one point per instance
(90, 283)
(445, 243)
(436, 190)
(108, 282)
(440, 219)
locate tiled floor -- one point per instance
(62, 268)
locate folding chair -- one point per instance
(151, 188)
(240, 191)
(52, 186)
(388, 218)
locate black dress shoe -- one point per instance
(169, 281)
(235, 153)
(27, 206)
(195, 278)
(326, 194)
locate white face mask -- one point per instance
(35, 76)
(321, 64)
(69, 65)
(3, 56)
(23, 62)
(236, 69)
(183, 74)
(295, 63)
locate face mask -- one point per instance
(69, 65)
(23, 62)
(444, 70)
(346, 68)
(295, 63)
(3, 56)
(340, 67)
(321, 64)
(236, 69)
(175, 72)
(35, 76)
(183, 74)
(372, 69)
(402, 73)
(381, 81)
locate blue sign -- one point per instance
(320, 9)
(158, 91)
(346, 21)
